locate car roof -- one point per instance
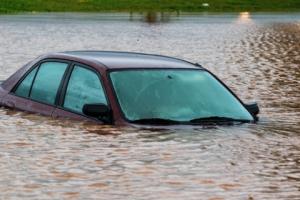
(119, 60)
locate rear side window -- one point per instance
(47, 81)
(24, 88)
(84, 88)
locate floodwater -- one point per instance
(257, 55)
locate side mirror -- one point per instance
(253, 109)
(99, 111)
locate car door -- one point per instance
(38, 89)
(84, 86)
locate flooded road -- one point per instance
(258, 56)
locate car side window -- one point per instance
(84, 87)
(47, 81)
(24, 88)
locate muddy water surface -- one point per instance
(258, 56)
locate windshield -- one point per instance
(180, 95)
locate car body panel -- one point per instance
(121, 60)
(3, 93)
(61, 113)
(24, 104)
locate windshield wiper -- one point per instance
(158, 121)
(202, 120)
(216, 119)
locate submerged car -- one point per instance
(123, 88)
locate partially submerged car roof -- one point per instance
(119, 60)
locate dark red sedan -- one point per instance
(121, 88)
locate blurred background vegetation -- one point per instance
(15, 6)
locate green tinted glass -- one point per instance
(24, 88)
(84, 88)
(47, 81)
(180, 95)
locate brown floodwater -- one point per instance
(257, 55)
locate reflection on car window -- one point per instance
(24, 88)
(84, 88)
(180, 95)
(47, 81)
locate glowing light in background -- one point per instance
(244, 17)
(205, 4)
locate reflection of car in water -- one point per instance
(121, 88)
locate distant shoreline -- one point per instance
(23, 6)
